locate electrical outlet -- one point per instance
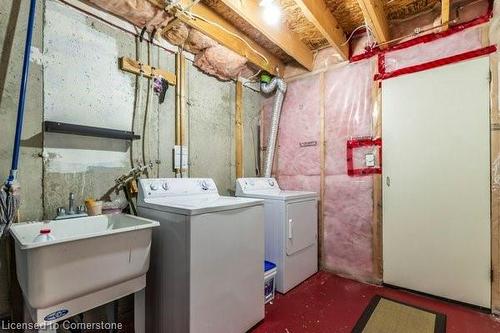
(370, 160)
(180, 157)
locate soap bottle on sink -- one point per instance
(44, 236)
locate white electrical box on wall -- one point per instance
(181, 157)
(370, 160)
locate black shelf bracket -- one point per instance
(65, 128)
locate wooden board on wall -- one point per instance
(322, 149)
(377, 185)
(135, 67)
(495, 186)
(495, 174)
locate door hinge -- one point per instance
(492, 275)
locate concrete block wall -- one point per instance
(13, 15)
(74, 78)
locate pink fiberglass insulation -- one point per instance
(300, 183)
(347, 226)
(348, 200)
(177, 34)
(138, 12)
(197, 42)
(220, 62)
(348, 111)
(299, 151)
(428, 23)
(210, 57)
(467, 40)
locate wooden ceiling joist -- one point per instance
(279, 34)
(217, 28)
(373, 11)
(318, 14)
(445, 14)
(214, 26)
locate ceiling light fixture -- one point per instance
(265, 3)
(271, 12)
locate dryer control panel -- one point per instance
(252, 185)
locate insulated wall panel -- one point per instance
(464, 41)
(300, 183)
(350, 97)
(348, 230)
(348, 111)
(299, 149)
(348, 200)
(297, 156)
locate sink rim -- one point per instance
(26, 245)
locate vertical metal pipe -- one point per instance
(280, 86)
(22, 95)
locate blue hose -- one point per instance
(22, 96)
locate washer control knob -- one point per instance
(153, 187)
(204, 185)
(165, 186)
(271, 182)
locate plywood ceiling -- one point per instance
(298, 23)
(350, 16)
(402, 9)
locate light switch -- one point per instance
(370, 160)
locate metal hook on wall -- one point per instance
(141, 36)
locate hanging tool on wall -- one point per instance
(9, 194)
(160, 87)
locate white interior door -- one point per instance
(436, 192)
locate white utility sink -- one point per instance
(92, 261)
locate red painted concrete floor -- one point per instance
(328, 303)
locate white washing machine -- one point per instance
(207, 258)
(291, 226)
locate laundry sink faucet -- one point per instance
(71, 206)
(72, 212)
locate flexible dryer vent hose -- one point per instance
(280, 86)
